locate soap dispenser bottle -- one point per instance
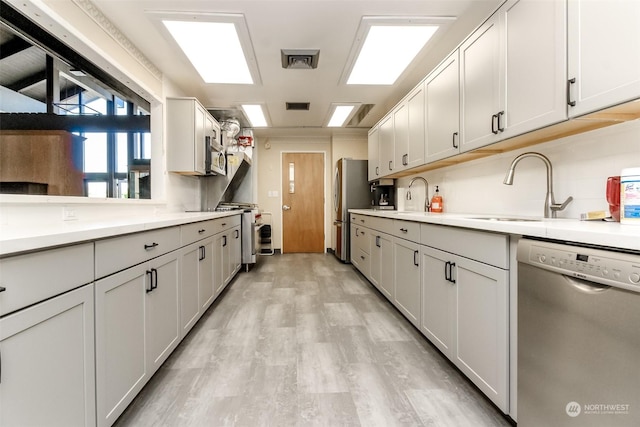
(436, 202)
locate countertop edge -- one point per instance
(16, 240)
(601, 233)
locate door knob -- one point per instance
(286, 207)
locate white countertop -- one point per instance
(603, 233)
(31, 237)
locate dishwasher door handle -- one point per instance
(586, 286)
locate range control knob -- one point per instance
(635, 278)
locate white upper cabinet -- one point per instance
(534, 34)
(374, 154)
(387, 146)
(409, 130)
(189, 127)
(604, 54)
(512, 72)
(401, 136)
(442, 93)
(481, 82)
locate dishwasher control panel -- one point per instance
(596, 265)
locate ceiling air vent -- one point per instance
(297, 106)
(359, 115)
(299, 59)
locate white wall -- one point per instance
(581, 165)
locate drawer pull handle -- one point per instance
(224, 224)
(151, 246)
(362, 221)
(201, 231)
(2, 289)
(404, 230)
(361, 256)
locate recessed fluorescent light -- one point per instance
(340, 115)
(385, 46)
(224, 64)
(255, 114)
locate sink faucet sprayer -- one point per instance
(551, 208)
(427, 204)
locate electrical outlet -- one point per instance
(69, 214)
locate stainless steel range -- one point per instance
(251, 224)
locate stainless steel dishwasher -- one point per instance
(578, 336)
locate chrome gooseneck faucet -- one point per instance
(551, 208)
(427, 203)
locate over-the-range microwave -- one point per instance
(215, 160)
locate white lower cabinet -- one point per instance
(227, 257)
(361, 249)
(137, 327)
(197, 290)
(465, 304)
(438, 301)
(382, 274)
(236, 251)
(47, 350)
(406, 266)
(482, 327)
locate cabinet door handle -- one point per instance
(446, 271)
(390, 168)
(494, 125)
(237, 233)
(224, 241)
(378, 241)
(570, 83)
(500, 121)
(415, 258)
(357, 232)
(150, 274)
(377, 171)
(2, 289)
(450, 266)
(151, 246)
(154, 275)
(405, 159)
(361, 256)
(453, 139)
(203, 253)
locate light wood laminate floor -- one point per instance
(304, 340)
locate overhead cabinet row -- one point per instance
(532, 64)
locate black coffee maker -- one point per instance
(383, 194)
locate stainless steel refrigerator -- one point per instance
(350, 191)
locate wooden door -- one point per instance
(302, 202)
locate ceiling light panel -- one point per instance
(217, 45)
(384, 48)
(340, 115)
(256, 115)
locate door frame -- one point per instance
(324, 193)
